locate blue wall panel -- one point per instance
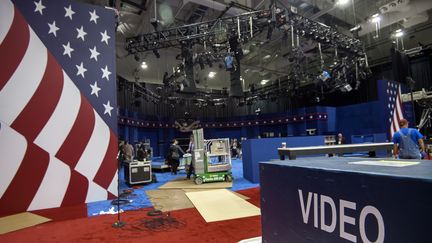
(226, 133)
(265, 149)
(293, 209)
(366, 118)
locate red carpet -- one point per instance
(63, 213)
(98, 229)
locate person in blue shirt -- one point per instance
(408, 142)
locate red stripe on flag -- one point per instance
(399, 101)
(37, 112)
(13, 47)
(77, 189)
(108, 167)
(111, 196)
(78, 137)
(26, 181)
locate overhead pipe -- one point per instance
(216, 6)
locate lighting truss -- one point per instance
(245, 26)
(197, 33)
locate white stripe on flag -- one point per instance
(95, 192)
(7, 12)
(398, 105)
(13, 147)
(61, 121)
(94, 153)
(397, 113)
(394, 125)
(20, 88)
(113, 186)
(53, 187)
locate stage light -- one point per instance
(399, 33)
(201, 62)
(258, 111)
(144, 65)
(342, 2)
(269, 32)
(209, 62)
(154, 23)
(375, 18)
(346, 88)
(212, 74)
(137, 58)
(264, 81)
(324, 76)
(356, 28)
(156, 53)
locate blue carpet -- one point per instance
(138, 199)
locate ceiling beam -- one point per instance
(141, 6)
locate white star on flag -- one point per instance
(81, 69)
(105, 37)
(93, 16)
(81, 33)
(95, 89)
(94, 53)
(106, 72)
(67, 49)
(108, 108)
(69, 12)
(53, 28)
(39, 7)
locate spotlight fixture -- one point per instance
(154, 23)
(137, 58)
(342, 2)
(144, 65)
(355, 31)
(209, 61)
(156, 53)
(212, 74)
(264, 81)
(346, 88)
(324, 76)
(269, 32)
(258, 111)
(201, 62)
(399, 33)
(356, 28)
(375, 18)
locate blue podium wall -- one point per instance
(331, 200)
(265, 149)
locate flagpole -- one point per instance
(118, 223)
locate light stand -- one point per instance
(118, 223)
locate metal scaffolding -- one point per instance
(246, 26)
(215, 31)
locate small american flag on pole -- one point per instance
(57, 93)
(395, 107)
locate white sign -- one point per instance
(390, 163)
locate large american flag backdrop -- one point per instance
(58, 141)
(393, 109)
